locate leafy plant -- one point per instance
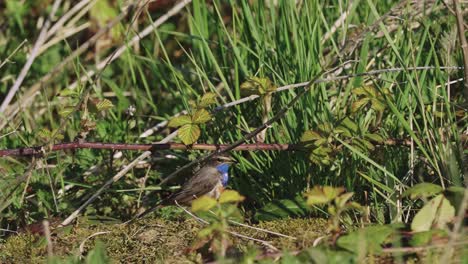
(219, 212)
(336, 200)
(189, 125)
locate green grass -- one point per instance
(215, 48)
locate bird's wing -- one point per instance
(201, 183)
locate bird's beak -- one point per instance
(227, 159)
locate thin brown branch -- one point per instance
(40, 150)
(35, 151)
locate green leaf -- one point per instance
(365, 143)
(369, 239)
(425, 238)
(367, 91)
(375, 137)
(201, 116)
(180, 121)
(230, 196)
(103, 105)
(203, 204)
(207, 100)
(44, 133)
(309, 136)
(189, 133)
(357, 105)
(422, 190)
(97, 255)
(436, 213)
(350, 124)
(256, 85)
(69, 93)
(377, 105)
(66, 111)
(323, 195)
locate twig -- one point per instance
(50, 247)
(40, 40)
(82, 244)
(164, 145)
(262, 230)
(13, 53)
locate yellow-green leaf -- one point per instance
(69, 93)
(207, 100)
(180, 121)
(309, 136)
(375, 137)
(257, 85)
(44, 133)
(356, 106)
(377, 105)
(437, 212)
(189, 133)
(322, 195)
(103, 105)
(201, 116)
(230, 196)
(203, 204)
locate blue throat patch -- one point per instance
(223, 169)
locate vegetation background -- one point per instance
(385, 118)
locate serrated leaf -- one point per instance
(180, 121)
(44, 133)
(367, 91)
(436, 213)
(310, 136)
(257, 85)
(323, 195)
(207, 100)
(189, 133)
(201, 116)
(104, 104)
(203, 204)
(230, 196)
(422, 190)
(357, 105)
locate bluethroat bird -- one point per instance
(209, 180)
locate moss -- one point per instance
(151, 240)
